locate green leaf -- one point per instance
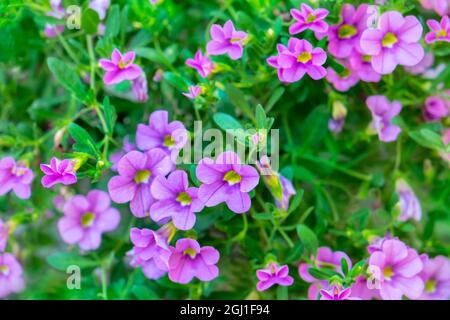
(276, 95)
(295, 203)
(112, 26)
(62, 260)
(66, 76)
(176, 80)
(308, 238)
(237, 98)
(90, 21)
(323, 274)
(84, 142)
(261, 118)
(282, 293)
(142, 292)
(312, 132)
(153, 55)
(110, 115)
(428, 139)
(226, 122)
(344, 266)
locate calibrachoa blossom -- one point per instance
(201, 63)
(342, 81)
(273, 274)
(86, 218)
(226, 180)
(409, 204)
(15, 177)
(436, 108)
(175, 199)
(336, 293)
(11, 275)
(58, 171)
(382, 113)
(394, 42)
(226, 40)
(436, 277)
(126, 147)
(442, 7)
(423, 65)
(362, 66)
(397, 270)
(194, 92)
(137, 171)
(160, 133)
(120, 67)
(298, 58)
(308, 18)
(189, 260)
(139, 87)
(4, 234)
(439, 31)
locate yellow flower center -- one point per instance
(389, 40)
(190, 252)
(123, 64)
(168, 141)
(304, 57)
(87, 219)
(311, 18)
(430, 286)
(346, 31)
(142, 176)
(232, 177)
(235, 40)
(441, 33)
(4, 269)
(184, 199)
(366, 58)
(388, 272)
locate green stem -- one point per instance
(92, 60)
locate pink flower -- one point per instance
(4, 234)
(15, 177)
(86, 218)
(58, 12)
(394, 42)
(436, 277)
(441, 7)
(120, 68)
(422, 66)
(139, 87)
(362, 66)
(201, 63)
(383, 112)
(226, 40)
(194, 92)
(343, 81)
(439, 31)
(362, 290)
(308, 18)
(127, 146)
(409, 203)
(100, 6)
(273, 274)
(298, 58)
(436, 108)
(337, 293)
(58, 171)
(11, 275)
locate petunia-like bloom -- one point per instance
(336, 293)
(100, 6)
(15, 177)
(58, 171)
(439, 31)
(441, 7)
(226, 180)
(394, 42)
(4, 234)
(194, 92)
(226, 40)
(160, 133)
(175, 199)
(298, 58)
(150, 252)
(137, 171)
(344, 37)
(11, 275)
(436, 108)
(382, 113)
(189, 260)
(86, 218)
(362, 66)
(308, 18)
(126, 147)
(139, 88)
(342, 81)
(201, 63)
(397, 268)
(273, 274)
(436, 277)
(120, 68)
(409, 203)
(424, 64)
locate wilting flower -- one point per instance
(408, 202)
(345, 36)
(4, 234)
(342, 81)
(150, 252)
(100, 6)
(436, 277)
(175, 199)
(189, 260)
(201, 63)
(126, 147)
(394, 42)
(273, 274)
(436, 108)
(397, 268)
(160, 133)
(227, 40)
(58, 171)
(336, 293)
(362, 66)
(86, 218)
(139, 87)
(11, 275)
(382, 113)
(137, 171)
(226, 180)
(439, 31)
(15, 177)
(308, 18)
(58, 12)
(441, 7)
(339, 113)
(298, 58)
(120, 68)
(194, 92)
(423, 65)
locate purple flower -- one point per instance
(160, 133)
(58, 171)
(58, 12)
(394, 42)
(126, 147)
(397, 268)
(336, 293)
(308, 18)
(137, 171)
(226, 180)
(150, 251)
(4, 234)
(436, 277)
(120, 68)
(422, 66)
(273, 274)
(345, 36)
(227, 40)
(100, 6)
(439, 31)
(201, 63)
(189, 260)
(298, 58)
(382, 113)
(15, 177)
(86, 218)
(436, 108)
(362, 66)
(51, 31)
(194, 92)
(175, 200)
(362, 290)
(342, 81)
(11, 277)
(139, 87)
(441, 7)
(409, 204)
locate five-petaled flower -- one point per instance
(439, 31)
(15, 177)
(273, 274)
(201, 63)
(383, 112)
(226, 40)
(308, 18)
(58, 171)
(120, 67)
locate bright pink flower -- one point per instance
(337, 293)
(362, 66)
(201, 63)
(436, 277)
(436, 108)
(342, 81)
(120, 68)
(439, 31)
(422, 66)
(308, 18)
(11, 275)
(15, 177)
(58, 171)
(394, 42)
(226, 40)
(4, 234)
(194, 92)
(272, 275)
(441, 7)
(298, 58)
(383, 112)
